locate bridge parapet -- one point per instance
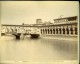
(17, 29)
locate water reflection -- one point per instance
(37, 49)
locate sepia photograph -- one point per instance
(39, 32)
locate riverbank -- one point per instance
(56, 37)
(60, 37)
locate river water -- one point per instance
(41, 49)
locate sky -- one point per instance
(18, 12)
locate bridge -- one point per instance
(62, 26)
(17, 30)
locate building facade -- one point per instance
(62, 26)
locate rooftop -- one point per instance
(66, 18)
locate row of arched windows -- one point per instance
(59, 31)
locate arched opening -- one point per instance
(53, 31)
(60, 30)
(67, 30)
(45, 31)
(41, 31)
(71, 29)
(76, 31)
(16, 30)
(7, 30)
(12, 30)
(63, 31)
(56, 31)
(50, 31)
